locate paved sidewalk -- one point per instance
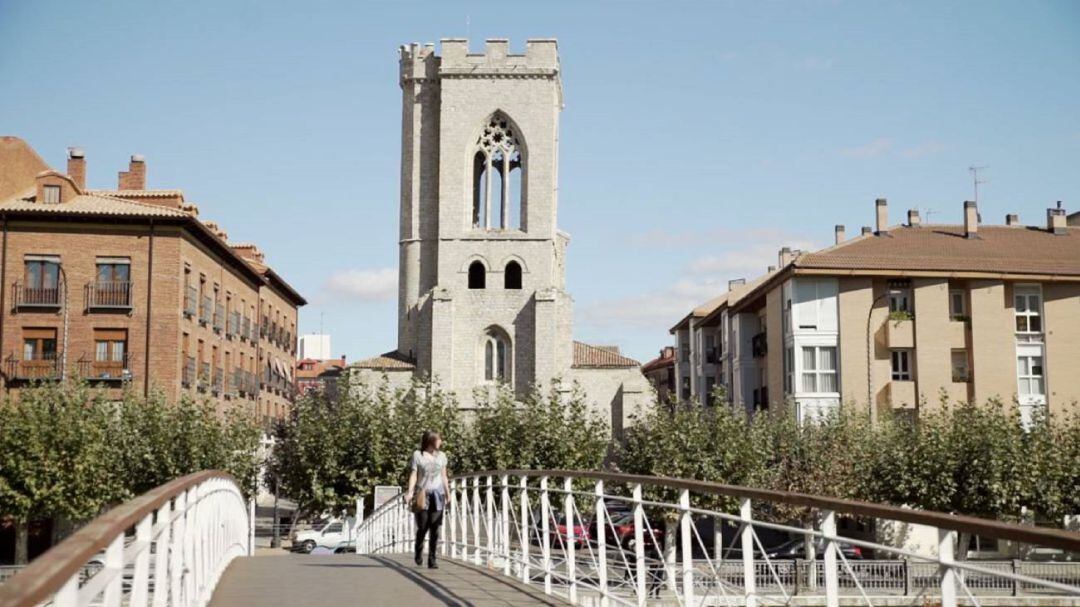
(348, 579)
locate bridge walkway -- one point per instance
(348, 579)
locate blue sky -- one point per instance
(697, 138)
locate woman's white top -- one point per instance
(429, 470)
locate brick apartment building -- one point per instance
(129, 288)
(900, 316)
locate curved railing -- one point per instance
(166, 547)
(637, 540)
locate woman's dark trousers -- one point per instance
(428, 522)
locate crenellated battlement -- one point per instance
(541, 58)
(418, 62)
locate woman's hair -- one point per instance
(428, 440)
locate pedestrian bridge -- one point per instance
(548, 537)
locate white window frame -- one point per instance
(966, 368)
(1028, 294)
(818, 373)
(1027, 361)
(906, 373)
(51, 194)
(901, 300)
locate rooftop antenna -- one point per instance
(974, 170)
(928, 213)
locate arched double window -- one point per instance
(497, 171)
(512, 275)
(496, 352)
(477, 275)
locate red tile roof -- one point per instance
(600, 357)
(391, 361)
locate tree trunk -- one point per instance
(22, 542)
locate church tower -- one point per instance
(482, 296)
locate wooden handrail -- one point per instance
(48, 573)
(1041, 536)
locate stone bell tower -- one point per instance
(482, 296)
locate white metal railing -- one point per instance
(166, 547)
(612, 539)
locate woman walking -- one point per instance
(427, 492)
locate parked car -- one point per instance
(796, 549)
(558, 531)
(329, 534)
(622, 526)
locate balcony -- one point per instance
(900, 333)
(712, 356)
(187, 378)
(219, 318)
(902, 394)
(108, 295)
(105, 370)
(206, 311)
(245, 328)
(203, 383)
(217, 386)
(37, 369)
(759, 345)
(234, 324)
(191, 298)
(236, 384)
(35, 297)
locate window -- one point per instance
(113, 270)
(901, 365)
(42, 272)
(512, 276)
(39, 344)
(1029, 372)
(51, 194)
(900, 301)
(497, 171)
(496, 357)
(110, 345)
(819, 369)
(960, 371)
(789, 369)
(1028, 304)
(477, 275)
(957, 304)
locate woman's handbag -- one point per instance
(419, 501)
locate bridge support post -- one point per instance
(452, 513)
(140, 580)
(687, 548)
(161, 567)
(504, 530)
(525, 534)
(832, 578)
(571, 537)
(489, 528)
(601, 544)
(545, 532)
(251, 527)
(477, 546)
(640, 565)
(946, 557)
(749, 575)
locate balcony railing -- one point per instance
(234, 324)
(252, 384)
(109, 295)
(236, 384)
(204, 377)
(245, 328)
(35, 297)
(219, 318)
(218, 383)
(191, 298)
(44, 368)
(187, 379)
(759, 345)
(105, 370)
(206, 310)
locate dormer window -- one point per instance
(51, 194)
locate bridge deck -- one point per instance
(348, 579)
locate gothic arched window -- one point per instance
(477, 275)
(496, 356)
(497, 176)
(512, 276)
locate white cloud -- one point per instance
(877, 147)
(362, 285)
(744, 254)
(926, 148)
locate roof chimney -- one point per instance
(1012, 219)
(838, 231)
(913, 219)
(76, 168)
(135, 177)
(1056, 219)
(882, 208)
(971, 219)
(866, 230)
(785, 257)
(770, 269)
(735, 283)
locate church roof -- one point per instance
(390, 361)
(600, 357)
